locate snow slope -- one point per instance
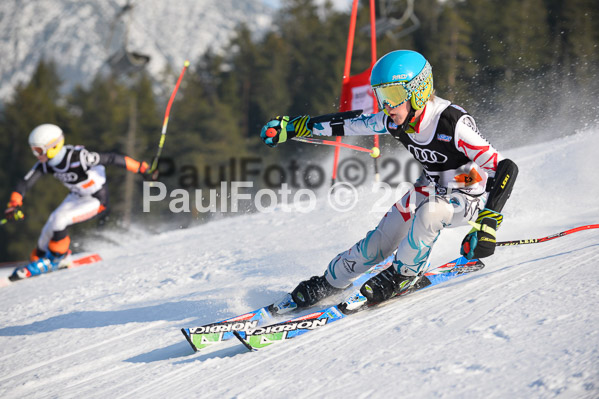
(525, 326)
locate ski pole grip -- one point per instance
(271, 132)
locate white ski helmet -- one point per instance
(46, 139)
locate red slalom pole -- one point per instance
(337, 144)
(346, 72)
(154, 165)
(548, 238)
(377, 176)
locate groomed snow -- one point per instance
(525, 326)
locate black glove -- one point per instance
(147, 173)
(150, 176)
(481, 240)
(279, 129)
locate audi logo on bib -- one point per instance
(427, 156)
(68, 177)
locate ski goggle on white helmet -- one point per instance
(46, 139)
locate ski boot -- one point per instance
(386, 284)
(47, 264)
(308, 292)
(285, 305)
(62, 261)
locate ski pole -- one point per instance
(154, 165)
(311, 140)
(548, 238)
(336, 118)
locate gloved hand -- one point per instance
(13, 210)
(14, 214)
(279, 129)
(480, 241)
(147, 173)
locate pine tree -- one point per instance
(453, 61)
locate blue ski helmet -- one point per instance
(402, 75)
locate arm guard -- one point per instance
(501, 186)
(113, 158)
(336, 120)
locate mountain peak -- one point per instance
(80, 37)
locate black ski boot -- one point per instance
(308, 292)
(385, 284)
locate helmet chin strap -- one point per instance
(404, 126)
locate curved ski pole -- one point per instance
(332, 143)
(336, 118)
(548, 238)
(154, 164)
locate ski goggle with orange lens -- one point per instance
(391, 94)
(50, 149)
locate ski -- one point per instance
(84, 260)
(25, 274)
(263, 336)
(210, 334)
(213, 333)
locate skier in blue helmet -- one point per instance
(464, 180)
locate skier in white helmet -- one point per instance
(82, 172)
(465, 179)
